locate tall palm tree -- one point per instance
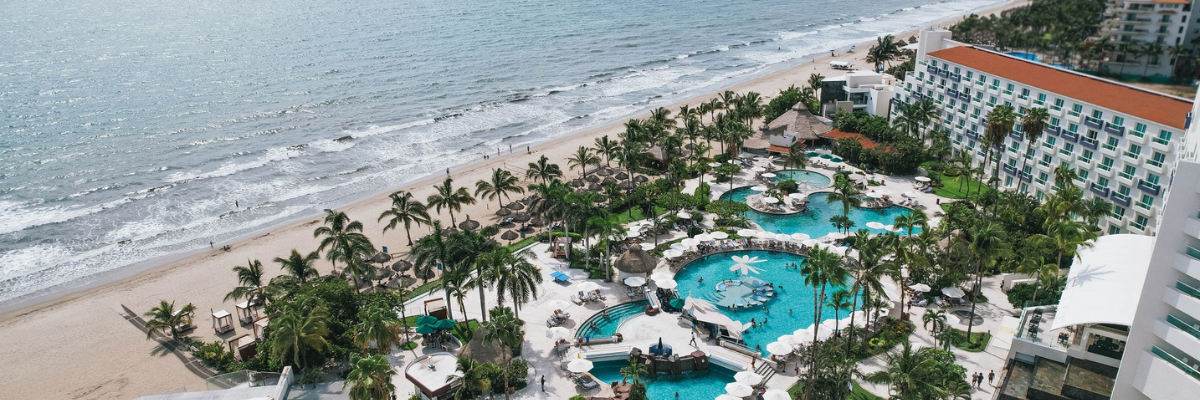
(986, 243)
(634, 372)
(166, 318)
(301, 325)
(499, 186)
(299, 267)
(251, 283)
(845, 191)
(472, 375)
(840, 300)
(1033, 123)
(821, 268)
(370, 378)
(406, 210)
(796, 156)
(377, 325)
(512, 275)
(816, 81)
(344, 239)
(582, 158)
(451, 198)
(507, 331)
(631, 157)
(543, 170)
(937, 318)
(908, 372)
(912, 220)
(926, 112)
(431, 250)
(999, 124)
(455, 284)
(607, 148)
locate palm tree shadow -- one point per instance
(1089, 273)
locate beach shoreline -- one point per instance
(50, 327)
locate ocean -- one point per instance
(130, 128)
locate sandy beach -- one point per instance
(78, 346)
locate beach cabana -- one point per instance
(245, 312)
(222, 321)
(260, 327)
(185, 322)
(483, 350)
(436, 308)
(635, 262)
(243, 347)
(795, 125)
(559, 248)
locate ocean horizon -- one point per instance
(131, 129)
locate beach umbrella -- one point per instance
(728, 397)
(835, 235)
(503, 212)
(577, 182)
(778, 348)
(516, 205)
(579, 365)
(635, 281)
(661, 276)
(603, 172)
(919, 287)
(672, 253)
(796, 339)
(684, 215)
(823, 332)
(676, 303)
(426, 329)
(714, 164)
(679, 246)
(739, 389)
(892, 228)
(800, 237)
(469, 225)
(622, 175)
(626, 185)
(587, 286)
(803, 333)
(775, 394)
(423, 273)
(910, 194)
(381, 257)
(798, 196)
(592, 178)
(427, 320)
(809, 242)
(768, 175)
(746, 232)
(689, 242)
(704, 237)
(641, 179)
(595, 187)
(537, 222)
(770, 200)
(749, 377)
(758, 169)
(522, 218)
(401, 266)
(509, 235)
(445, 324)
(558, 333)
(647, 246)
(953, 292)
(758, 188)
(871, 194)
(719, 235)
(922, 179)
(668, 284)
(384, 273)
(875, 225)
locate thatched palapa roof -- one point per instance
(799, 120)
(483, 351)
(636, 261)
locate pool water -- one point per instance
(704, 385)
(791, 293)
(815, 222)
(815, 180)
(607, 326)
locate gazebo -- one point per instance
(797, 124)
(635, 262)
(483, 351)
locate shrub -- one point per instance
(216, 357)
(788, 186)
(1022, 293)
(490, 230)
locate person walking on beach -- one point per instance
(693, 341)
(210, 245)
(543, 383)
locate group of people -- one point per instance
(977, 378)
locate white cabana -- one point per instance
(689, 242)
(672, 253)
(1105, 284)
(748, 377)
(704, 237)
(779, 348)
(920, 287)
(587, 286)
(711, 315)
(739, 389)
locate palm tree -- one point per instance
(167, 319)
(937, 318)
(370, 378)
(431, 250)
(472, 375)
(501, 184)
(840, 300)
(377, 325)
(345, 241)
(607, 148)
(821, 268)
(406, 210)
(912, 220)
(999, 124)
(926, 112)
(845, 191)
(543, 170)
(634, 372)
(1032, 124)
(985, 243)
(512, 275)
(796, 156)
(816, 81)
(455, 284)
(302, 325)
(451, 198)
(299, 267)
(886, 49)
(250, 278)
(582, 158)
(507, 332)
(402, 293)
(1151, 51)
(907, 373)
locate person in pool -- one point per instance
(701, 280)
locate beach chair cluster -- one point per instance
(557, 318)
(582, 297)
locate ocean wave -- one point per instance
(270, 156)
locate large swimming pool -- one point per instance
(791, 293)
(607, 326)
(815, 221)
(808, 180)
(702, 386)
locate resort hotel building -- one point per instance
(1153, 24)
(1120, 139)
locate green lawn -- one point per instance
(624, 217)
(979, 344)
(951, 184)
(858, 394)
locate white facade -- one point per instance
(1120, 157)
(864, 91)
(1164, 22)
(1162, 356)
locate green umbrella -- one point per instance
(445, 324)
(426, 320)
(426, 329)
(676, 302)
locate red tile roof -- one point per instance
(1145, 104)
(838, 134)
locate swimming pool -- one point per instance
(704, 385)
(815, 180)
(607, 326)
(815, 222)
(791, 293)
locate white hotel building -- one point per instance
(1120, 139)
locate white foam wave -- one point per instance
(20, 216)
(271, 155)
(31, 259)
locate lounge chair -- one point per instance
(553, 322)
(592, 296)
(575, 299)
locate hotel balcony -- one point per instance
(1159, 144)
(1051, 130)
(1120, 199)
(1093, 123)
(1115, 130)
(1183, 297)
(1087, 142)
(1148, 187)
(1188, 262)
(1070, 136)
(1025, 176)
(1009, 169)
(1162, 375)
(1180, 334)
(1098, 190)
(1191, 226)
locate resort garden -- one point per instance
(668, 187)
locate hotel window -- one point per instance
(1128, 172)
(1111, 144)
(995, 84)
(982, 79)
(1113, 230)
(1152, 179)
(1008, 181)
(1164, 137)
(1067, 149)
(1118, 212)
(1147, 202)
(969, 73)
(1157, 159)
(1140, 222)
(1040, 195)
(1041, 99)
(1102, 182)
(1054, 122)
(1097, 117)
(1024, 94)
(1049, 143)
(1082, 176)
(1106, 164)
(975, 112)
(1029, 152)
(991, 100)
(1123, 191)
(1045, 160)
(1134, 151)
(1015, 148)
(1087, 156)
(1028, 170)
(1042, 178)
(1021, 111)
(1075, 110)
(1058, 105)
(1091, 137)
(1023, 188)
(1008, 89)
(1118, 121)
(1011, 163)
(1139, 130)
(941, 98)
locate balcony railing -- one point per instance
(1142, 205)
(955, 77)
(1188, 369)
(943, 73)
(931, 69)
(1115, 130)
(1187, 289)
(1087, 142)
(1010, 169)
(1016, 136)
(1178, 323)
(1093, 123)
(1161, 141)
(1148, 187)
(1025, 176)
(1192, 251)
(1072, 136)
(1051, 130)
(1098, 190)
(1121, 199)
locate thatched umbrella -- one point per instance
(509, 235)
(401, 266)
(516, 205)
(537, 222)
(503, 212)
(423, 273)
(383, 273)
(483, 350)
(381, 257)
(522, 218)
(604, 172)
(609, 180)
(577, 182)
(469, 225)
(594, 187)
(622, 175)
(635, 261)
(592, 178)
(626, 185)
(641, 179)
